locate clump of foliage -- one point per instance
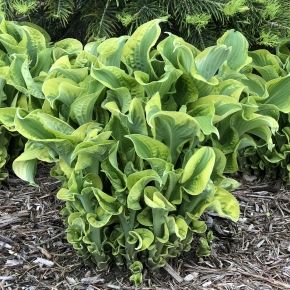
(24, 53)
(141, 133)
(272, 163)
(263, 22)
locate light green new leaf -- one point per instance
(197, 204)
(89, 153)
(224, 105)
(11, 45)
(178, 226)
(99, 219)
(24, 165)
(109, 203)
(20, 77)
(65, 194)
(204, 115)
(225, 204)
(197, 171)
(255, 86)
(136, 183)
(144, 218)
(262, 126)
(155, 199)
(230, 87)
(111, 169)
(142, 236)
(61, 90)
(282, 50)
(117, 79)
(152, 107)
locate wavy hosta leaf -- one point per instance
(161, 86)
(111, 168)
(197, 204)
(20, 76)
(268, 65)
(279, 93)
(110, 51)
(238, 56)
(231, 88)
(38, 126)
(89, 153)
(136, 118)
(117, 79)
(106, 201)
(209, 61)
(259, 125)
(145, 217)
(61, 90)
(82, 108)
(178, 52)
(255, 86)
(11, 45)
(65, 194)
(175, 129)
(76, 231)
(224, 106)
(67, 46)
(136, 50)
(204, 115)
(152, 107)
(282, 50)
(147, 147)
(136, 268)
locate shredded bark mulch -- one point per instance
(252, 254)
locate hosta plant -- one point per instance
(135, 198)
(272, 72)
(141, 133)
(24, 55)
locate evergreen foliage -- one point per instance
(263, 22)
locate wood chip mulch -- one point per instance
(252, 254)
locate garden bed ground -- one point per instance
(254, 254)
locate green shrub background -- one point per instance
(201, 22)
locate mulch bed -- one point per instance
(252, 254)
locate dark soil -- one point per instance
(252, 254)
